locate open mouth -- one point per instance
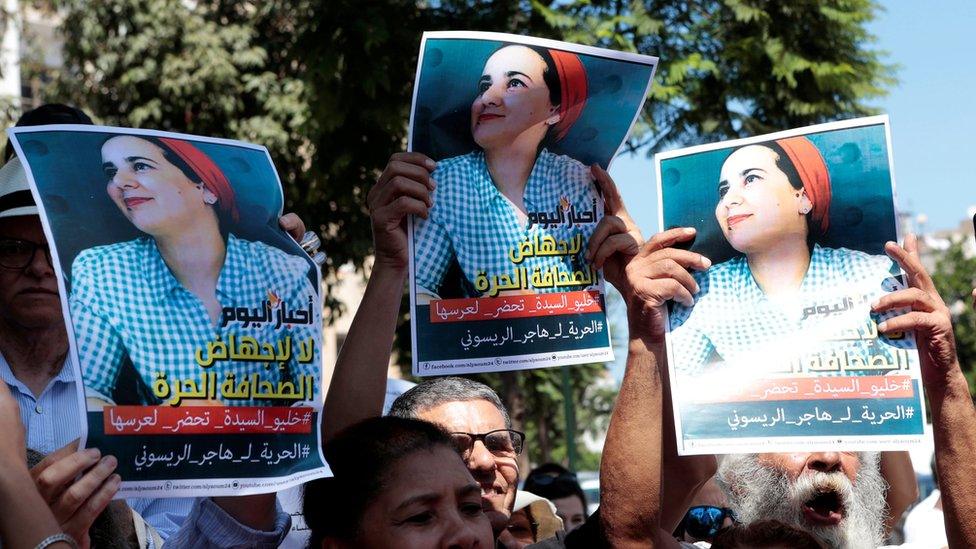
(824, 508)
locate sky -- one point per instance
(932, 111)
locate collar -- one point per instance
(66, 375)
(535, 186)
(161, 279)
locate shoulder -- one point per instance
(852, 262)
(567, 167)
(280, 266)
(453, 172)
(111, 257)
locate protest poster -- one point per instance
(780, 351)
(194, 321)
(498, 277)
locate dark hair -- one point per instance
(361, 458)
(553, 481)
(436, 391)
(50, 113)
(765, 533)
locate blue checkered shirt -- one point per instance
(126, 301)
(472, 221)
(734, 323)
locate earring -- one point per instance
(210, 199)
(805, 210)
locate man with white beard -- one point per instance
(838, 497)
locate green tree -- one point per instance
(326, 87)
(954, 276)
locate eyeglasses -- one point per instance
(18, 254)
(705, 521)
(500, 442)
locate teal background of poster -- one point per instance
(448, 84)
(862, 215)
(67, 167)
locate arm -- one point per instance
(647, 276)
(953, 415)
(359, 381)
(897, 470)
(26, 519)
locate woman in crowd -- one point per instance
(560, 486)
(786, 300)
(398, 483)
(512, 189)
(181, 276)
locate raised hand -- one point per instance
(404, 188)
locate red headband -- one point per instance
(209, 173)
(572, 83)
(810, 165)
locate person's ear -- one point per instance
(804, 205)
(554, 116)
(209, 197)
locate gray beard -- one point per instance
(759, 492)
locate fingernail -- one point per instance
(110, 461)
(433, 184)
(689, 230)
(706, 262)
(115, 479)
(882, 326)
(93, 453)
(875, 304)
(431, 165)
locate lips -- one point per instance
(133, 201)
(734, 220)
(34, 290)
(485, 117)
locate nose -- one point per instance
(462, 532)
(492, 96)
(824, 462)
(40, 264)
(481, 462)
(124, 179)
(732, 197)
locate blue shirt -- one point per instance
(472, 221)
(734, 323)
(52, 421)
(126, 302)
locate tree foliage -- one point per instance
(326, 87)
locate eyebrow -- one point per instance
(464, 491)
(747, 170)
(516, 73)
(131, 159)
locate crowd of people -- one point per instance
(442, 469)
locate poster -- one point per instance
(780, 351)
(194, 321)
(498, 278)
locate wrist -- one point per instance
(951, 385)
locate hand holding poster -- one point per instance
(499, 279)
(780, 350)
(194, 321)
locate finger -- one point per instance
(911, 244)
(917, 275)
(392, 215)
(667, 239)
(909, 322)
(685, 258)
(402, 186)
(610, 224)
(55, 456)
(293, 225)
(658, 291)
(414, 165)
(910, 298)
(86, 514)
(82, 489)
(669, 268)
(618, 243)
(52, 481)
(612, 201)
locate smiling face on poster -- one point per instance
(189, 311)
(498, 275)
(780, 350)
